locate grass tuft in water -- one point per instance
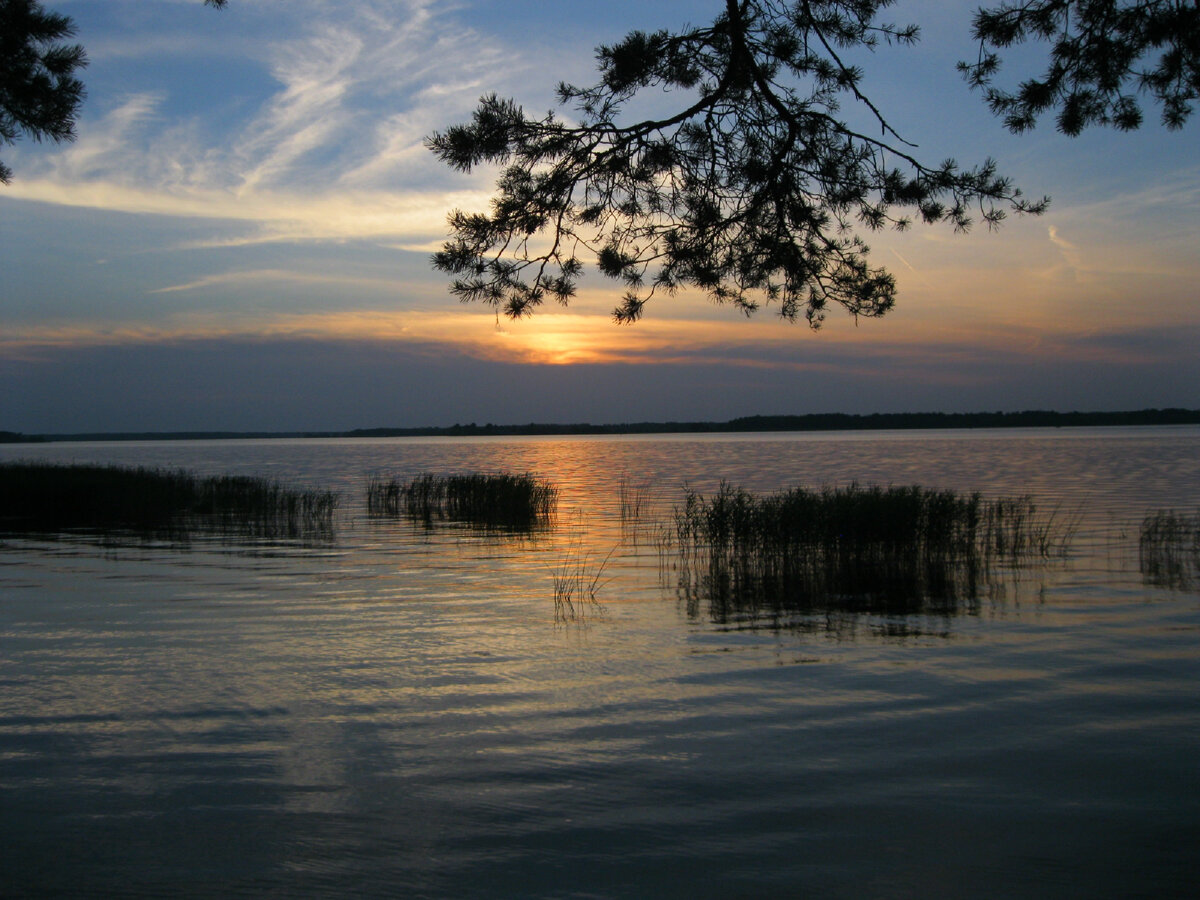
(855, 548)
(577, 584)
(501, 501)
(40, 497)
(1169, 549)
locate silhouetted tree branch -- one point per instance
(1102, 54)
(40, 93)
(752, 192)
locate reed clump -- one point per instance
(1169, 549)
(859, 548)
(38, 497)
(499, 501)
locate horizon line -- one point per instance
(743, 424)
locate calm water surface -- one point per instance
(399, 713)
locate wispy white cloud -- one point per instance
(1071, 255)
(269, 276)
(110, 139)
(416, 218)
(335, 151)
(316, 77)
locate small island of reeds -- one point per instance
(855, 548)
(495, 501)
(40, 498)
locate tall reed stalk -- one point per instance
(633, 498)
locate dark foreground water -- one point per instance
(399, 712)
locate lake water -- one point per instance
(398, 712)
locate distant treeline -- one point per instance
(15, 437)
(819, 422)
(811, 422)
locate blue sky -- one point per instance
(240, 239)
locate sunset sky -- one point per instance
(239, 239)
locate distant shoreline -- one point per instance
(809, 422)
